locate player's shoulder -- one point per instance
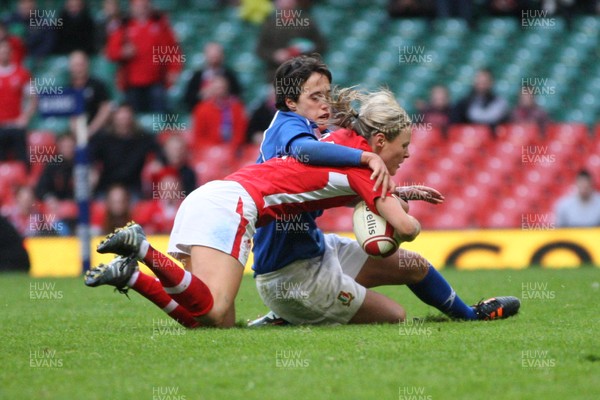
(340, 134)
(284, 127)
(289, 119)
(347, 137)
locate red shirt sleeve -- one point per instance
(361, 183)
(348, 138)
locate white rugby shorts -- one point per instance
(220, 215)
(320, 290)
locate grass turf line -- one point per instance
(91, 343)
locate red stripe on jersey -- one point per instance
(235, 250)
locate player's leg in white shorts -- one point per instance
(211, 236)
(220, 215)
(317, 291)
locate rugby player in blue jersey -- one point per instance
(302, 87)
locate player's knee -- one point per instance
(216, 317)
(395, 313)
(400, 315)
(415, 265)
(422, 269)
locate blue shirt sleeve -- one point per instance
(309, 150)
(286, 127)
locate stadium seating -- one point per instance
(486, 178)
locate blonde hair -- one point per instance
(378, 112)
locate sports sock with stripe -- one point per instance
(150, 288)
(437, 292)
(185, 288)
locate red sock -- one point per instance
(181, 285)
(165, 269)
(151, 289)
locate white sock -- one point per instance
(133, 279)
(143, 249)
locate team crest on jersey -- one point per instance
(346, 298)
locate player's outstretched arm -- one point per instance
(313, 152)
(405, 225)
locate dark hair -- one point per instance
(584, 173)
(486, 70)
(293, 74)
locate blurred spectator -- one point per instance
(25, 212)
(148, 55)
(456, 8)
(482, 105)
(35, 26)
(581, 208)
(158, 215)
(56, 180)
(437, 111)
(566, 9)
(96, 95)
(213, 66)
(109, 21)
(411, 8)
(77, 31)
(17, 47)
(117, 211)
(287, 33)
(121, 151)
(15, 84)
(255, 11)
(13, 255)
(261, 119)
(61, 217)
(528, 111)
(221, 118)
(503, 8)
(176, 153)
(55, 188)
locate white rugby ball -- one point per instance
(375, 235)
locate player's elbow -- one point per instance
(409, 229)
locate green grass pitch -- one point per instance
(62, 340)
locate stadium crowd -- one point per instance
(145, 175)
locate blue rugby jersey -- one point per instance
(283, 242)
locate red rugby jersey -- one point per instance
(14, 80)
(283, 186)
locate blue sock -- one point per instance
(437, 292)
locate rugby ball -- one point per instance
(374, 234)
